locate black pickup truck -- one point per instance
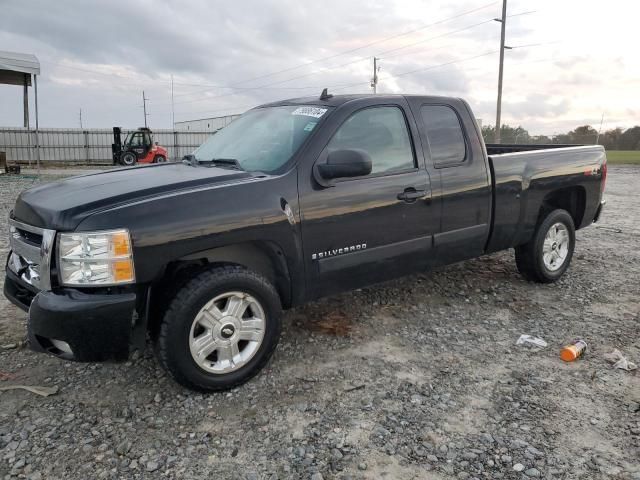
(295, 200)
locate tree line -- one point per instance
(614, 139)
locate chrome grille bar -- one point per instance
(31, 261)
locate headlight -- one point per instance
(95, 258)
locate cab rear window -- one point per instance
(444, 133)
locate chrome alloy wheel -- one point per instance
(555, 247)
(227, 332)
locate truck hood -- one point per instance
(62, 205)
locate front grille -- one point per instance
(30, 237)
(31, 250)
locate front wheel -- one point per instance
(128, 159)
(548, 255)
(220, 329)
(159, 159)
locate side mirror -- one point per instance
(345, 163)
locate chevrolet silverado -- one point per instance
(293, 201)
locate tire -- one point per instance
(548, 255)
(198, 319)
(159, 159)
(128, 159)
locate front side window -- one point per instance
(263, 139)
(446, 140)
(382, 133)
(135, 140)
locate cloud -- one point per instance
(99, 56)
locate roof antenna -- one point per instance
(325, 95)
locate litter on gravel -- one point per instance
(531, 340)
(42, 391)
(619, 360)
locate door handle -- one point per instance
(411, 194)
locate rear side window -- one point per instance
(382, 133)
(446, 140)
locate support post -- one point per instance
(35, 85)
(25, 101)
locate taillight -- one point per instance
(604, 175)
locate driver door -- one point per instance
(366, 229)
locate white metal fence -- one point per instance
(93, 146)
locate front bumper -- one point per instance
(75, 325)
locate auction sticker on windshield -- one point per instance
(315, 112)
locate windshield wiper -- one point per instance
(226, 162)
(214, 162)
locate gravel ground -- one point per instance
(415, 378)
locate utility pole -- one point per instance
(173, 113)
(144, 106)
(81, 119)
(503, 21)
(374, 79)
(600, 129)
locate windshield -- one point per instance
(263, 139)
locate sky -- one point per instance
(572, 62)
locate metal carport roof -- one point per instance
(14, 65)
(17, 69)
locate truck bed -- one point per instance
(523, 179)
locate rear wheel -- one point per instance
(220, 329)
(548, 255)
(128, 159)
(159, 159)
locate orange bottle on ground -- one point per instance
(574, 350)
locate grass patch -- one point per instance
(620, 157)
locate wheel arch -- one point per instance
(263, 257)
(572, 199)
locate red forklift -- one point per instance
(138, 147)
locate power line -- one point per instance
(353, 50)
(238, 89)
(443, 64)
(270, 85)
(346, 52)
(547, 59)
(382, 40)
(473, 69)
(522, 13)
(441, 36)
(468, 27)
(513, 47)
(311, 90)
(209, 86)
